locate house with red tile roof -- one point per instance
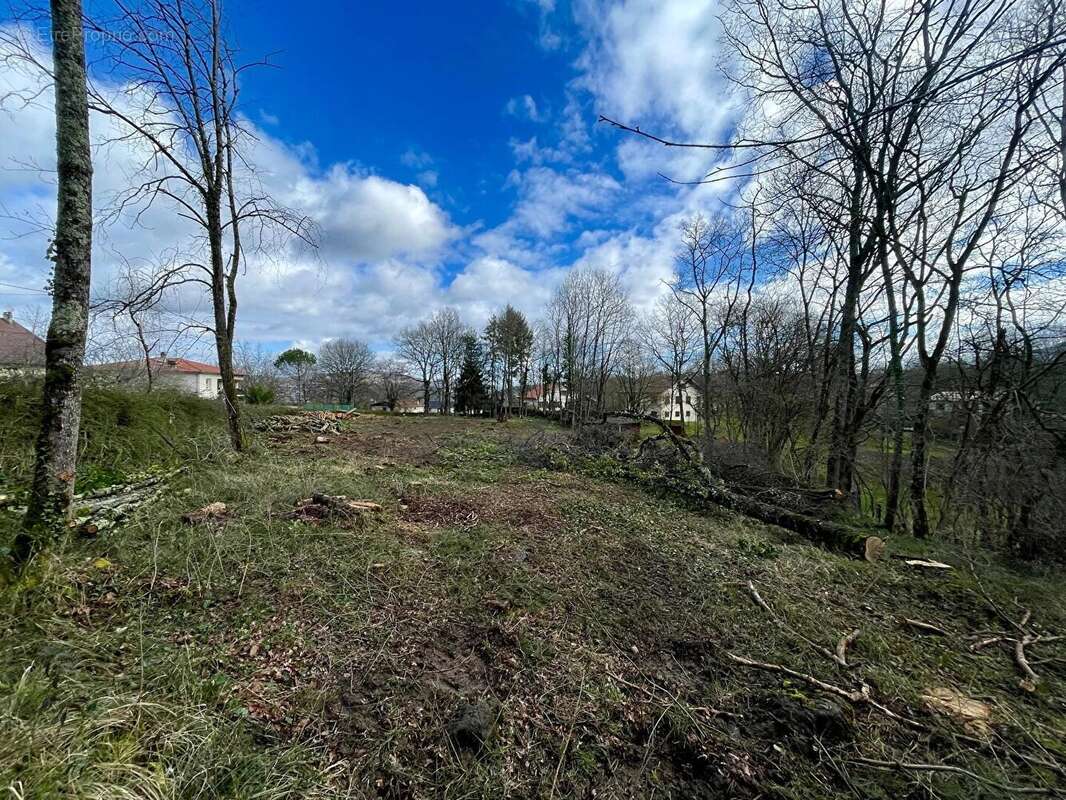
(183, 374)
(21, 350)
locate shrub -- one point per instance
(258, 395)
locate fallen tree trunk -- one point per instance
(710, 489)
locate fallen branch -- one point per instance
(1030, 679)
(925, 626)
(839, 656)
(842, 648)
(858, 696)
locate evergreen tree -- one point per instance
(470, 394)
(510, 341)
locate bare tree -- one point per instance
(675, 338)
(346, 365)
(257, 366)
(766, 359)
(635, 372)
(591, 312)
(710, 280)
(912, 118)
(416, 345)
(391, 380)
(136, 306)
(447, 335)
(181, 103)
(57, 445)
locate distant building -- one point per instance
(946, 402)
(545, 398)
(21, 350)
(677, 402)
(183, 374)
(411, 399)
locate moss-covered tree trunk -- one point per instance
(57, 444)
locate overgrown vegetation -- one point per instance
(259, 652)
(122, 434)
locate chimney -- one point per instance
(7, 316)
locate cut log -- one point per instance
(209, 513)
(333, 507)
(106, 508)
(844, 538)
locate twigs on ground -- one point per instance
(1024, 638)
(857, 696)
(903, 766)
(925, 627)
(839, 656)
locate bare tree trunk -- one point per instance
(895, 369)
(839, 469)
(57, 444)
(920, 456)
(223, 331)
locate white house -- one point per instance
(677, 402)
(183, 374)
(545, 398)
(946, 402)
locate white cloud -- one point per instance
(489, 283)
(415, 158)
(369, 218)
(381, 240)
(659, 64)
(524, 107)
(384, 242)
(547, 37)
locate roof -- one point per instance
(19, 346)
(185, 365)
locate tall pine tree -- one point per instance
(470, 394)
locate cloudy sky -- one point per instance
(449, 153)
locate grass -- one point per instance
(261, 657)
(122, 433)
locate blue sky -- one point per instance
(449, 152)
(407, 95)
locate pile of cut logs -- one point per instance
(105, 508)
(309, 421)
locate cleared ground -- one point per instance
(593, 628)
